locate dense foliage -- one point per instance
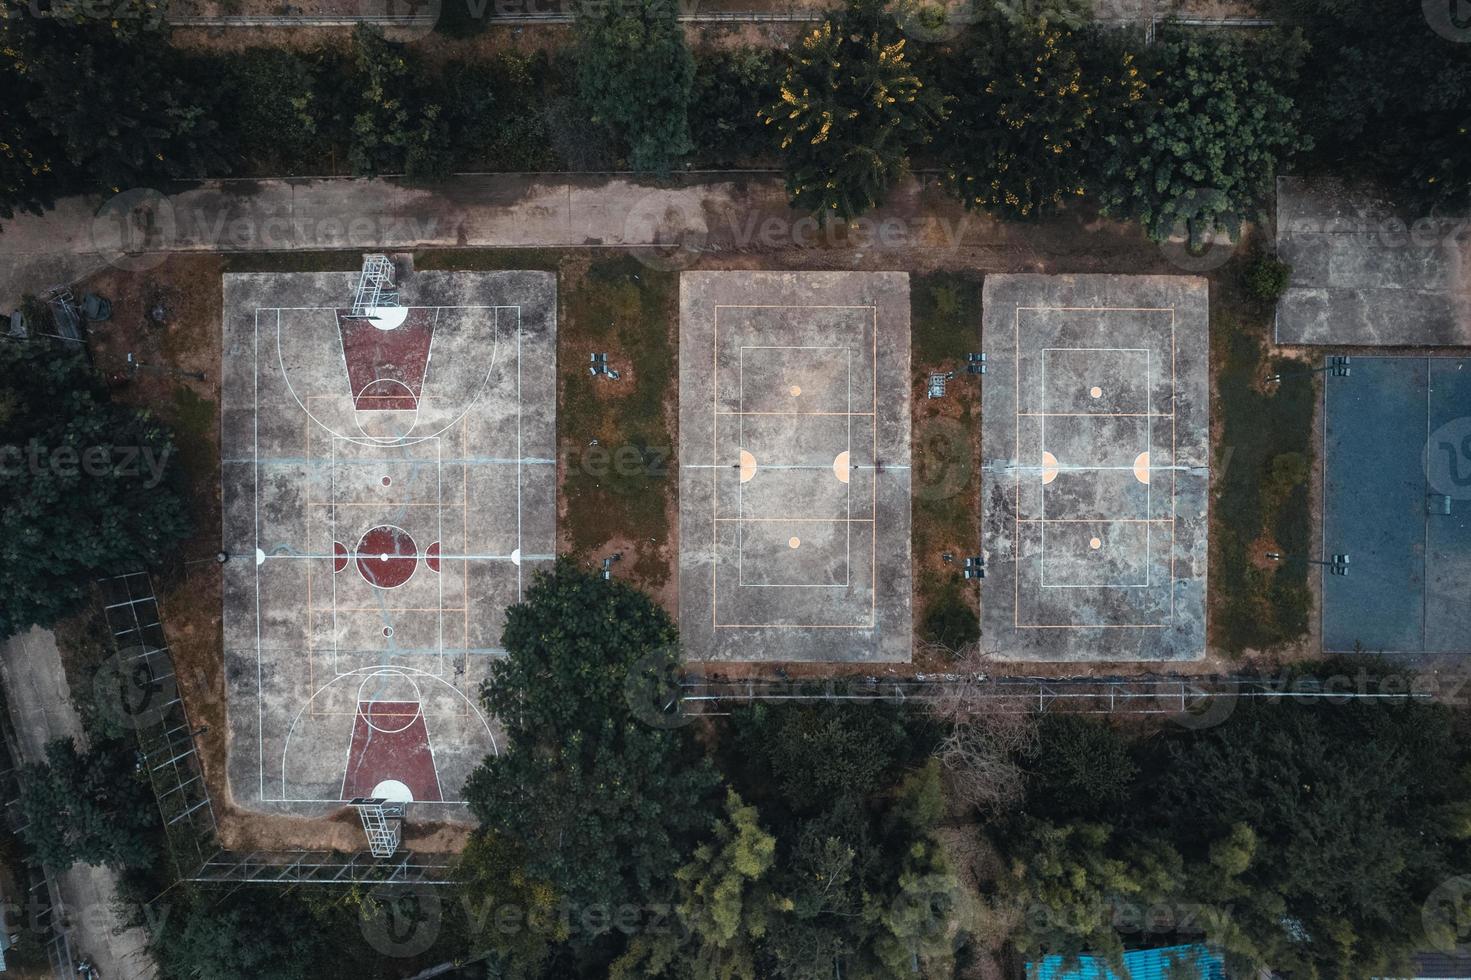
(1387, 84)
(249, 934)
(1200, 148)
(1029, 107)
(1303, 836)
(850, 109)
(635, 75)
(87, 806)
(89, 486)
(818, 851)
(1025, 111)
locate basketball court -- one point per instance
(1397, 502)
(389, 489)
(794, 466)
(1095, 467)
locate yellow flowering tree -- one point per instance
(850, 110)
(1016, 141)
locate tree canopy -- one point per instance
(636, 75)
(851, 107)
(1019, 140)
(602, 805)
(87, 807)
(256, 934)
(1198, 150)
(89, 486)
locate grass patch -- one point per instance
(481, 259)
(945, 317)
(335, 261)
(622, 484)
(1263, 459)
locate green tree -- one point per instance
(1079, 888)
(1357, 812)
(396, 126)
(1387, 91)
(725, 124)
(912, 920)
(515, 920)
(1200, 149)
(109, 98)
(725, 907)
(850, 109)
(27, 153)
(256, 934)
(88, 486)
(1017, 139)
(1080, 768)
(635, 76)
(814, 754)
(603, 805)
(89, 808)
(275, 106)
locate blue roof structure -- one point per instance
(1191, 962)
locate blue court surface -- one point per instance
(1397, 501)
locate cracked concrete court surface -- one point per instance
(794, 466)
(389, 489)
(1095, 455)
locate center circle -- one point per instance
(1095, 392)
(794, 542)
(397, 556)
(1095, 544)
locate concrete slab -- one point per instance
(794, 466)
(1397, 501)
(1365, 273)
(1095, 450)
(389, 489)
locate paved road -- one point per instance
(40, 706)
(708, 211)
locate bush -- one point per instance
(724, 123)
(1266, 278)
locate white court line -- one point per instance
(716, 414)
(258, 462)
(1020, 468)
(260, 694)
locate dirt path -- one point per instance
(40, 705)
